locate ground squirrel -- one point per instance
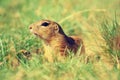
(53, 36)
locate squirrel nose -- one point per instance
(30, 27)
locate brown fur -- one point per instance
(116, 43)
(116, 39)
(53, 36)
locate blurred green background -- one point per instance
(77, 17)
(21, 13)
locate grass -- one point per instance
(111, 33)
(83, 18)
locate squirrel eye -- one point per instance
(45, 24)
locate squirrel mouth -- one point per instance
(36, 34)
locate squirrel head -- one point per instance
(46, 29)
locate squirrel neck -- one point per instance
(57, 38)
(60, 42)
(60, 39)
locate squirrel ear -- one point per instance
(56, 28)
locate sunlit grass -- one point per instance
(82, 18)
